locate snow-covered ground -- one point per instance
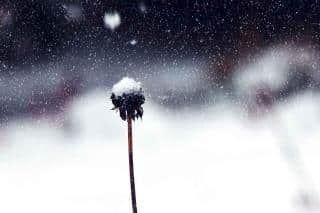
(212, 159)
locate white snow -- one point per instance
(269, 70)
(112, 20)
(273, 68)
(126, 86)
(208, 160)
(181, 78)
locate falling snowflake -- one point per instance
(133, 42)
(142, 7)
(112, 20)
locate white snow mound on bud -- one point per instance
(126, 86)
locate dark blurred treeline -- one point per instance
(34, 31)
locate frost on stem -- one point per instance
(127, 97)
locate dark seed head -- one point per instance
(129, 105)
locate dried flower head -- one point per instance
(127, 97)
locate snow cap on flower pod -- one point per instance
(126, 86)
(127, 96)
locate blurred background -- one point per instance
(231, 121)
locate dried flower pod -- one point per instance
(127, 97)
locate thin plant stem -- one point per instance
(130, 151)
